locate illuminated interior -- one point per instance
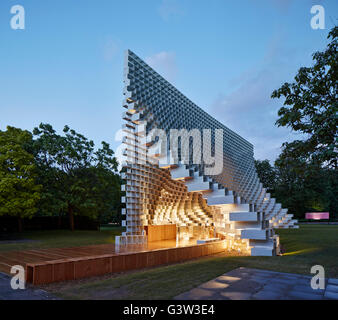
(162, 190)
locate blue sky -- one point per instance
(66, 67)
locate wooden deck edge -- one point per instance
(89, 266)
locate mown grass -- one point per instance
(310, 245)
(61, 239)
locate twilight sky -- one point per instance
(66, 67)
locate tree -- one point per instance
(75, 177)
(306, 169)
(105, 193)
(300, 186)
(19, 192)
(304, 186)
(311, 105)
(266, 174)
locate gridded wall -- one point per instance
(165, 107)
(232, 203)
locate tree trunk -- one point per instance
(71, 217)
(20, 227)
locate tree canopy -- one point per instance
(306, 175)
(267, 174)
(76, 178)
(299, 186)
(19, 191)
(311, 106)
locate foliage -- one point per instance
(75, 177)
(310, 107)
(19, 192)
(306, 170)
(266, 174)
(299, 186)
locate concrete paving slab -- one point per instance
(332, 288)
(307, 289)
(331, 295)
(7, 293)
(259, 271)
(333, 281)
(234, 295)
(244, 286)
(299, 295)
(259, 279)
(302, 282)
(267, 295)
(286, 282)
(196, 294)
(214, 284)
(256, 284)
(228, 279)
(290, 278)
(276, 287)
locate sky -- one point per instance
(66, 66)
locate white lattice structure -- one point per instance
(164, 186)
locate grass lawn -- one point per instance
(62, 239)
(305, 247)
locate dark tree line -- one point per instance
(46, 174)
(301, 188)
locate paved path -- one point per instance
(254, 284)
(7, 293)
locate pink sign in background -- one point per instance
(317, 215)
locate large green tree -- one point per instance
(311, 106)
(19, 191)
(305, 187)
(267, 174)
(76, 178)
(300, 186)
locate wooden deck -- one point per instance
(61, 264)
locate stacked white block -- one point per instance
(180, 191)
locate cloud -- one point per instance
(169, 9)
(164, 63)
(249, 110)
